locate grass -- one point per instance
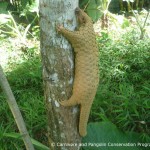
(22, 67)
(26, 83)
(124, 91)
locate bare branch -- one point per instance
(15, 110)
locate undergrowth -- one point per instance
(123, 96)
(26, 83)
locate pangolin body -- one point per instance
(86, 67)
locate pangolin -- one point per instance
(86, 66)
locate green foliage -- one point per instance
(18, 22)
(20, 4)
(26, 82)
(140, 24)
(21, 34)
(30, 8)
(38, 145)
(10, 27)
(91, 8)
(94, 8)
(3, 7)
(106, 134)
(31, 12)
(124, 91)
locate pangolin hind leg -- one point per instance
(71, 102)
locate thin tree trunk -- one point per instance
(15, 110)
(58, 70)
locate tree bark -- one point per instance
(58, 71)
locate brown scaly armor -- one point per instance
(86, 67)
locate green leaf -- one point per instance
(26, 30)
(103, 136)
(3, 7)
(37, 144)
(92, 10)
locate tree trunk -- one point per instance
(58, 70)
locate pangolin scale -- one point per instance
(86, 66)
